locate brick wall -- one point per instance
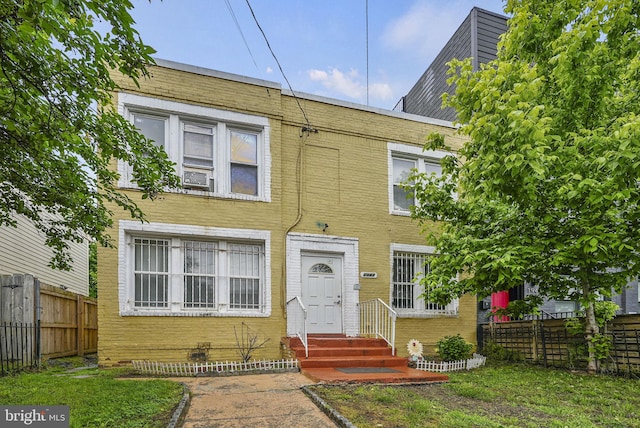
(344, 178)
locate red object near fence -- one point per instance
(500, 300)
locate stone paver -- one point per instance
(265, 400)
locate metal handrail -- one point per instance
(378, 319)
(297, 321)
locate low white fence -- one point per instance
(193, 369)
(449, 366)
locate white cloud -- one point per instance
(380, 91)
(424, 29)
(350, 84)
(347, 84)
(269, 70)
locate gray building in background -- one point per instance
(477, 37)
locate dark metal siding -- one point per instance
(490, 27)
(476, 37)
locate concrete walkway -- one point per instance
(265, 400)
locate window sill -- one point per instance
(193, 313)
(401, 213)
(194, 192)
(426, 314)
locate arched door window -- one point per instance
(321, 268)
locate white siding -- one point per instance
(22, 250)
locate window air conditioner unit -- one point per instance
(196, 180)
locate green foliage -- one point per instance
(517, 309)
(602, 346)
(495, 396)
(497, 353)
(605, 311)
(59, 134)
(99, 400)
(453, 348)
(93, 270)
(574, 326)
(545, 190)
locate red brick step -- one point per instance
(329, 354)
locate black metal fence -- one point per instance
(548, 342)
(19, 346)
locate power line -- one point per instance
(280, 67)
(233, 16)
(367, 43)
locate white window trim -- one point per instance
(453, 308)
(129, 229)
(408, 152)
(224, 121)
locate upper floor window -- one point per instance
(403, 159)
(244, 162)
(216, 152)
(409, 265)
(152, 127)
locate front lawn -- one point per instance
(96, 398)
(506, 396)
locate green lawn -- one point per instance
(100, 400)
(506, 396)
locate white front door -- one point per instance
(322, 292)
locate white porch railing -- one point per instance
(377, 319)
(297, 322)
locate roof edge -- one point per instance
(215, 73)
(302, 95)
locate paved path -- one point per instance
(265, 400)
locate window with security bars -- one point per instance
(408, 296)
(151, 273)
(199, 274)
(173, 274)
(244, 276)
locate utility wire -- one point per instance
(233, 16)
(366, 13)
(279, 66)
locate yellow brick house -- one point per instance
(290, 201)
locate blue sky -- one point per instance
(320, 44)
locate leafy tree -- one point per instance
(547, 185)
(93, 270)
(58, 146)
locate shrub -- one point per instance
(454, 348)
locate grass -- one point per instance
(102, 399)
(505, 396)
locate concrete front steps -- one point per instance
(339, 359)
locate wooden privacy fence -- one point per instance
(68, 323)
(548, 342)
(38, 320)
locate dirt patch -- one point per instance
(88, 360)
(382, 406)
